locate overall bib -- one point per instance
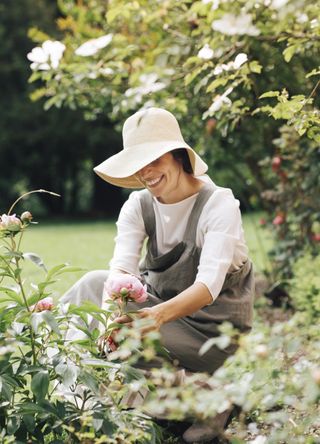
(168, 274)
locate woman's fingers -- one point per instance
(125, 319)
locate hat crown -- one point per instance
(150, 125)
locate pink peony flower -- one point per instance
(125, 287)
(10, 223)
(44, 304)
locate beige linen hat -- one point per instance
(147, 135)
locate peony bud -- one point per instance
(124, 291)
(262, 221)
(44, 304)
(26, 216)
(10, 223)
(316, 237)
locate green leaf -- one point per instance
(221, 342)
(44, 317)
(13, 424)
(269, 94)
(68, 372)
(314, 72)
(40, 384)
(216, 83)
(29, 422)
(289, 52)
(90, 381)
(255, 67)
(35, 259)
(6, 390)
(50, 320)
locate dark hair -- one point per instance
(181, 156)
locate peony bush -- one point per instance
(53, 389)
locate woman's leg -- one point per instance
(88, 288)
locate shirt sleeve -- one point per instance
(130, 236)
(222, 228)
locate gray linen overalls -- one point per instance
(169, 274)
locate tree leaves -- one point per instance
(40, 384)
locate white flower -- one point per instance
(236, 64)
(259, 440)
(240, 60)
(46, 56)
(231, 24)
(206, 53)
(219, 101)
(92, 46)
(278, 4)
(148, 84)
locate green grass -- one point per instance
(89, 245)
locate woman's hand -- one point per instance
(151, 314)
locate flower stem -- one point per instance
(31, 192)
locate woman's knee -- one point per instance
(94, 277)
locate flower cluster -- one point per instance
(125, 287)
(122, 288)
(46, 56)
(11, 224)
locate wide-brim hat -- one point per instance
(147, 135)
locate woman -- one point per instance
(196, 267)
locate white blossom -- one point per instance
(240, 60)
(259, 440)
(219, 101)
(92, 46)
(231, 24)
(278, 4)
(236, 64)
(148, 84)
(46, 56)
(205, 53)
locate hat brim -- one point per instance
(121, 168)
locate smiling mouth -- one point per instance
(153, 182)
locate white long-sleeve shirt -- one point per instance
(219, 235)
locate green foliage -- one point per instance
(51, 386)
(57, 389)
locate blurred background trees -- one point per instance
(55, 150)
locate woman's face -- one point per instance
(162, 177)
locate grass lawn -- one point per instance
(89, 245)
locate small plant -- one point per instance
(51, 388)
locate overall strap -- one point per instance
(203, 196)
(147, 211)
